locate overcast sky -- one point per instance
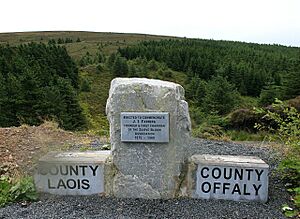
(260, 21)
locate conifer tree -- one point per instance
(120, 67)
(291, 84)
(38, 82)
(221, 96)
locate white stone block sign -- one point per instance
(231, 177)
(145, 127)
(71, 173)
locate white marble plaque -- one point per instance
(145, 127)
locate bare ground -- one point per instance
(21, 147)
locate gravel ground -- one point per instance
(51, 206)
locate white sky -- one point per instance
(260, 21)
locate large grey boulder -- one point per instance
(143, 169)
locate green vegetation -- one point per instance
(65, 76)
(225, 80)
(220, 96)
(21, 189)
(93, 101)
(249, 67)
(38, 82)
(222, 79)
(284, 124)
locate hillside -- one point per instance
(219, 76)
(85, 46)
(89, 41)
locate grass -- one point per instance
(94, 101)
(248, 102)
(240, 135)
(176, 77)
(90, 41)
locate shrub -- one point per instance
(287, 132)
(295, 103)
(99, 68)
(197, 115)
(212, 128)
(209, 131)
(152, 65)
(220, 96)
(167, 73)
(21, 189)
(85, 85)
(244, 119)
(287, 124)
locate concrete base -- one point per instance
(72, 173)
(238, 178)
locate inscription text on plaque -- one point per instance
(145, 127)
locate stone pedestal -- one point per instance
(148, 161)
(73, 173)
(239, 178)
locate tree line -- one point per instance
(38, 82)
(255, 70)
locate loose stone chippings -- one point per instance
(86, 206)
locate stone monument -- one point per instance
(150, 154)
(149, 133)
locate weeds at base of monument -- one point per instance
(20, 190)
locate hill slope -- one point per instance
(203, 67)
(89, 41)
(85, 46)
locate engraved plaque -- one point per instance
(145, 127)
